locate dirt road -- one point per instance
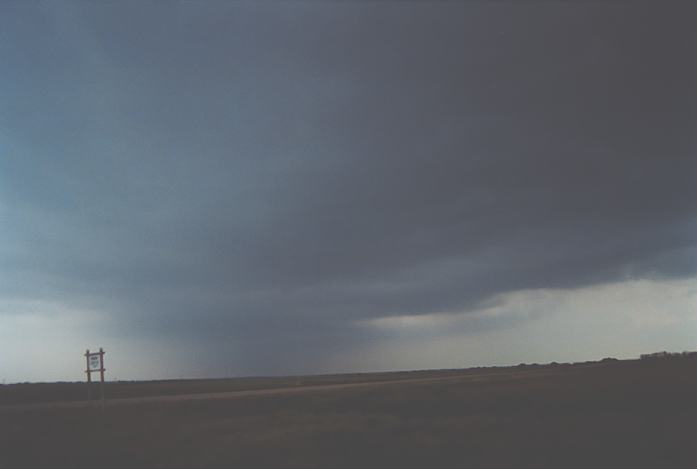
(230, 394)
(278, 391)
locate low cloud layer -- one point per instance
(273, 177)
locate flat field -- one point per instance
(614, 414)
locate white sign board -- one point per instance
(94, 362)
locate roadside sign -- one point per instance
(94, 362)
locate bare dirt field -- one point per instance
(615, 414)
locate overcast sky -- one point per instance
(212, 188)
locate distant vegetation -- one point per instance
(664, 354)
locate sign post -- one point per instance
(95, 362)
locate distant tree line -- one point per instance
(664, 354)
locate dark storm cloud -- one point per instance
(283, 170)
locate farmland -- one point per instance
(615, 414)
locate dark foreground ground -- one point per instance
(626, 414)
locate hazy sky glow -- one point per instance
(228, 188)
